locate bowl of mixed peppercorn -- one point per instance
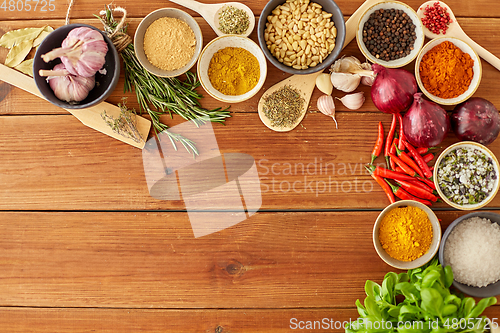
(466, 175)
(390, 34)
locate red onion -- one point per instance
(425, 124)
(476, 120)
(393, 89)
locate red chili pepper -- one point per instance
(398, 169)
(385, 187)
(385, 173)
(379, 143)
(423, 186)
(402, 137)
(417, 191)
(390, 136)
(427, 158)
(418, 158)
(422, 151)
(411, 163)
(428, 182)
(393, 151)
(403, 165)
(402, 194)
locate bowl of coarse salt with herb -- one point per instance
(406, 234)
(232, 68)
(466, 175)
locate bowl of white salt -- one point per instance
(471, 246)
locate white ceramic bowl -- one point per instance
(475, 80)
(141, 30)
(419, 33)
(220, 43)
(468, 144)
(433, 249)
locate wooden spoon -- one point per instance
(306, 83)
(454, 30)
(90, 117)
(210, 13)
(302, 83)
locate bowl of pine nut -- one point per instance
(301, 36)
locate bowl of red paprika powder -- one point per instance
(448, 70)
(407, 234)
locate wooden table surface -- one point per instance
(85, 248)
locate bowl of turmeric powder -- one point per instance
(448, 70)
(232, 68)
(407, 234)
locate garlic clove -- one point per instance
(324, 83)
(353, 101)
(367, 80)
(346, 65)
(345, 82)
(70, 88)
(326, 105)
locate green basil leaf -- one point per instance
(373, 289)
(372, 308)
(448, 276)
(388, 285)
(466, 307)
(432, 301)
(409, 291)
(452, 299)
(430, 277)
(361, 309)
(449, 309)
(403, 277)
(481, 306)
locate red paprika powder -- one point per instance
(446, 71)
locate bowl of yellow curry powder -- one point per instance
(407, 234)
(232, 68)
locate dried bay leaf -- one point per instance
(46, 31)
(18, 53)
(15, 37)
(26, 67)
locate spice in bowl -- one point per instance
(389, 34)
(169, 43)
(406, 233)
(466, 176)
(234, 71)
(436, 18)
(473, 251)
(446, 71)
(300, 34)
(284, 106)
(233, 20)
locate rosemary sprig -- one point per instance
(159, 95)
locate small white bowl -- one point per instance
(141, 30)
(419, 33)
(468, 144)
(475, 79)
(433, 249)
(220, 43)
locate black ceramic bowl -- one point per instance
(492, 289)
(105, 83)
(328, 6)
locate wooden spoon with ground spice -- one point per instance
(210, 13)
(455, 30)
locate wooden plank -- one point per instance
(21, 320)
(482, 30)
(86, 9)
(152, 260)
(56, 163)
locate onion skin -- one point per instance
(425, 124)
(476, 120)
(393, 89)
